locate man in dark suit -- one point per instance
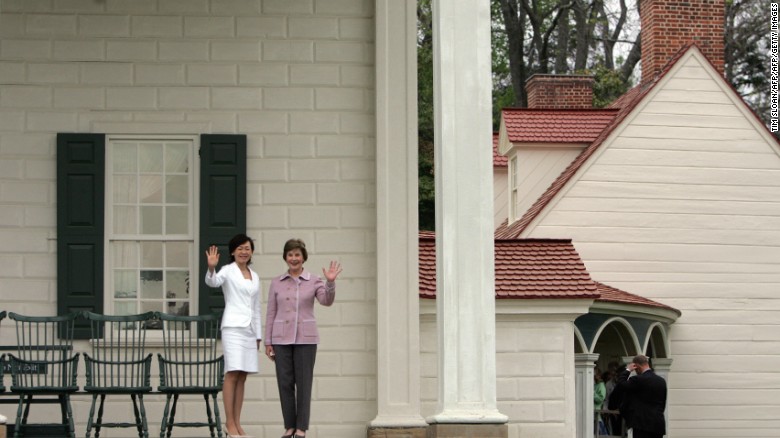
(644, 398)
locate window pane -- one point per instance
(177, 220)
(177, 285)
(151, 220)
(125, 308)
(151, 189)
(124, 255)
(152, 306)
(125, 220)
(124, 284)
(125, 189)
(177, 190)
(177, 255)
(151, 254)
(179, 308)
(124, 157)
(151, 284)
(150, 157)
(177, 158)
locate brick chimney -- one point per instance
(560, 91)
(668, 25)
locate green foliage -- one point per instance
(426, 208)
(607, 86)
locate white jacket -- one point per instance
(242, 297)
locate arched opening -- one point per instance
(656, 346)
(615, 340)
(579, 342)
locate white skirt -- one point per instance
(239, 345)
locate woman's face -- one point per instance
(243, 254)
(294, 259)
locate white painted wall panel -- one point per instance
(683, 207)
(296, 77)
(537, 169)
(500, 195)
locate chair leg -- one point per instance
(143, 416)
(91, 415)
(164, 425)
(99, 422)
(137, 416)
(19, 413)
(217, 419)
(67, 414)
(27, 403)
(172, 418)
(208, 415)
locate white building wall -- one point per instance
(683, 206)
(500, 195)
(534, 364)
(537, 168)
(296, 77)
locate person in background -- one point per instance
(241, 324)
(599, 389)
(291, 332)
(599, 393)
(644, 399)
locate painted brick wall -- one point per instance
(668, 25)
(295, 76)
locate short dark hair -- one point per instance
(641, 359)
(238, 240)
(295, 244)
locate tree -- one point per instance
(598, 37)
(426, 184)
(747, 52)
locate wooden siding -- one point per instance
(500, 196)
(537, 169)
(683, 207)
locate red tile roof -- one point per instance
(498, 159)
(525, 125)
(534, 269)
(528, 268)
(610, 294)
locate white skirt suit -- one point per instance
(241, 324)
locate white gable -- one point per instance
(681, 204)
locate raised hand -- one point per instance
(212, 257)
(333, 271)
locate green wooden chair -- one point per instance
(190, 364)
(118, 365)
(45, 366)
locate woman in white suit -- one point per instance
(241, 326)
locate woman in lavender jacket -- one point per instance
(291, 335)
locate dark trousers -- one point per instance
(646, 434)
(294, 374)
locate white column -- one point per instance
(584, 363)
(465, 297)
(662, 366)
(398, 321)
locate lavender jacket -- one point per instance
(290, 310)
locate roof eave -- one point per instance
(662, 314)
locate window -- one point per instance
(135, 213)
(150, 242)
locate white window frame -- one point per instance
(108, 234)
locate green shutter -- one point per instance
(222, 205)
(80, 204)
